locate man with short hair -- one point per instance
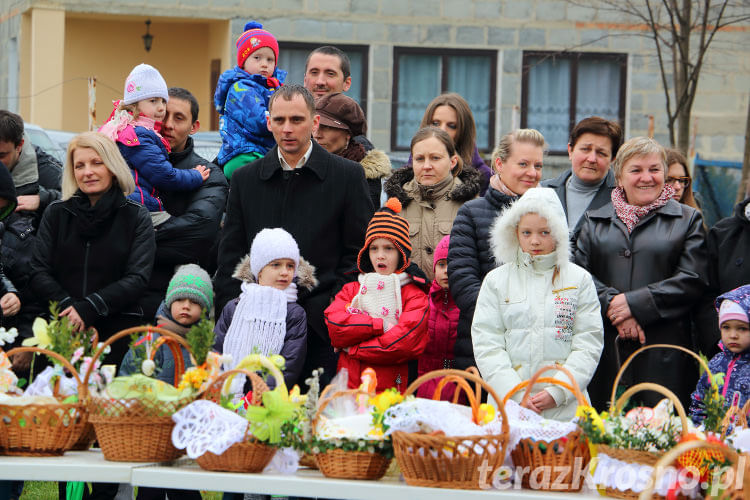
(190, 235)
(320, 198)
(36, 175)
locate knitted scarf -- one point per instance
(354, 151)
(379, 296)
(259, 322)
(631, 214)
(499, 185)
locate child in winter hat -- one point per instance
(135, 125)
(241, 99)
(734, 358)
(266, 317)
(380, 320)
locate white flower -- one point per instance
(76, 355)
(8, 336)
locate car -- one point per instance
(62, 138)
(39, 137)
(207, 144)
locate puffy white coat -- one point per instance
(523, 320)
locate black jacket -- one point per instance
(469, 260)
(7, 193)
(326, 207)
(99, 277)
(602, 197)
(191, 232)
(661, 269)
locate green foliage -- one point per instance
(64, 339)
(381, 446)
(201, 338)
(713, 403)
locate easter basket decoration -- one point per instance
(569, 452)
(435, 459)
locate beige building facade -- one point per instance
(541, 63)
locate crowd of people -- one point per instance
(283, 239)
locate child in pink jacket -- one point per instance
(441, 326)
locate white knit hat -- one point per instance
(272, 244)
(144, 82)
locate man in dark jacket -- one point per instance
(588, 184)
(36, 175)
(320, 198)
(190, 235)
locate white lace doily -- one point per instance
(740, 439)
(525, 423)
(623, 476)
(42, 384)
(205, 426)
(426, 415)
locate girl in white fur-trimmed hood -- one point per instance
(538, 308)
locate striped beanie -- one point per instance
(190, 281)
(253, 38)
(388, 224)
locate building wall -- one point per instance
(510, 27)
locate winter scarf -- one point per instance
(631, 214)
(354, 151)
(91, 221)
(121, 127)
(435, 191)
(259, 321)
(499, 185)
(379, 296)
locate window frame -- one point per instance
(445, 53)
(574, 57)
(346, 47)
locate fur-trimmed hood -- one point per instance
(541, 201)
(305, 277)
(466, 190)
(376, 164)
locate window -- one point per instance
(420, 75)
(560, 89)
(293, 56)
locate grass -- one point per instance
(47, 490)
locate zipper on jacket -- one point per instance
(86, 268)
(729, 375)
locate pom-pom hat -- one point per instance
(269, 245)
(144, 82)
(388, 224)
(253, 38)
(190, 282)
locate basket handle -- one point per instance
(537, 377)
(654, 346)
(436, 395)
(675, 453)
(257, 362)
(137, 329)
(174, 348)
(467, 375)
(259, 386)
(324, 402)
(68, 366)
(650, 386)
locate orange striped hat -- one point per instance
(386, 223)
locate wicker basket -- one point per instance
(249, 455)
(424, 459)
(570, 452)
(135, 430)
(735, 418)
(44, 429)
(340, 464)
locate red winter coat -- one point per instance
(438, 354)
(363, 343)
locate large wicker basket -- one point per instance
(451, 461)
(569, 453)
(135, 430)
(341, 464)
(249, 455)
(43, 429)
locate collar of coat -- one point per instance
(560, 180)
(671, 209)
(466, 190)
(319, 162)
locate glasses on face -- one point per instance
(685, 181)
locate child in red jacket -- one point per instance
(380, 320)
(442, 323)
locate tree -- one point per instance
(682, 32)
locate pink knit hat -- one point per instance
(731, 310)
(441, 250)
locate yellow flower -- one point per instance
(41, 337)
(386, 399)
(585, 412)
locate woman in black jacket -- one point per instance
(647, 255)
(517, 166)
(95, 249)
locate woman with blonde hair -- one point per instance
(95, 248)
(451, 113)
(517, 164)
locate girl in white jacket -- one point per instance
(538, 308)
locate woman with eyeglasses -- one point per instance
(678, 176)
